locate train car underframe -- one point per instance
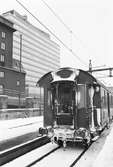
(62, 136)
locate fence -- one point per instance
(6, 114)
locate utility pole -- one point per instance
(90, 66)
(20, 68)
(98, 70)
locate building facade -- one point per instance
(39, 53)
(12, 81)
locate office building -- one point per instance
(39, 53)
(12, 80)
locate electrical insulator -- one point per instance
(110, 73)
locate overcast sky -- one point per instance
(91, 21)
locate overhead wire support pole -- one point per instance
(68, 48)
(90, 66)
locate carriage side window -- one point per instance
(106, 101)
(80, 98)
(103, 97)
(111, 99)
(49, 98)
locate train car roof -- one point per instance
(97, 81)
(47, 78)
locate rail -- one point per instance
(11, 154)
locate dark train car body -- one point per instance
(76, 106)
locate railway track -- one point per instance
(49, 155)
(78, 158)
(58, 156)
(42, 157)
(72, 164)
(12, 153)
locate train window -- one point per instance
(63, 97)
(78, 97)
(49, 97)
(97, 89)
(81, 100)
(103, 97)
(110, 99)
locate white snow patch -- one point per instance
(17, 127)
(105, 157)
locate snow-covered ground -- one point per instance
(17, 127)
(99, 155)
(105, 157)
(96, 156)
(31, 156)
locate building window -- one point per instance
(3, 34)
(1, 89)
(2, 58)
(3, 45)
(18, 83)
(1, 74)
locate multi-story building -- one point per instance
(12, 81)
(39, 53)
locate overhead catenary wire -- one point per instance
(57, 16)
(74, 35)
(66, 46)
(65, 25)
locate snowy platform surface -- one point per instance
(13, 128)
(105, 157)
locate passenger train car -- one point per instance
(76, 106)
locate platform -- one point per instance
(17, 131)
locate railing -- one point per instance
(6, 114)
(13, 93)
(17, 99)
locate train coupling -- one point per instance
(64, 144)
(45, 131)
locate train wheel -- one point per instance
(107, 125)
(60, 143)
(86, 143)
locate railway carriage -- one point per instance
(76, 106)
